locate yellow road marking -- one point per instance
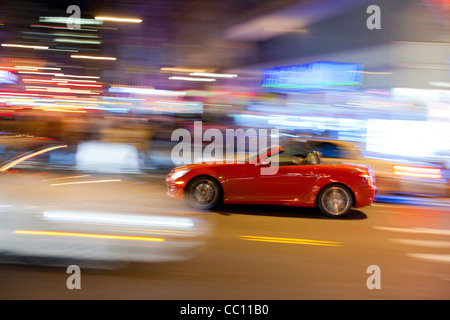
(87, 235)
(293, 241)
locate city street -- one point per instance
(259, 253)
(148, 150)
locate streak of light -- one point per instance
(86, 81)
(40, 73)
(118, 219)
(192, 79)
(87, 235)
(185, 70)
(292, 241)
(129, 20)
(92, 57)
(76, 76)
(66, 40)
(69, 177)
(84, 182)
(36, 68)
(57, 27)
(60, 83)
(213, 75)
(418, 172)
(24, 46)
(29, 156)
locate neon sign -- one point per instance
(315, 75)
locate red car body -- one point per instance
(292, 185)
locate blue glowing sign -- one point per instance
(315, 75)
(7, 77)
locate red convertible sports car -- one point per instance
(299, 179)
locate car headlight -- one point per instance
(178, 174)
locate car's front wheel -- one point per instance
(335, 200)
(203, 193)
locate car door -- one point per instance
(290, 183)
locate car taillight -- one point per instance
(418, 172)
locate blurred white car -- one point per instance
(52, 210)
(415, 178)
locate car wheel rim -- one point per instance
(335, 200)
(204, 193)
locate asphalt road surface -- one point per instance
(259, 252)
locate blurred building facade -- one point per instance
(405, 72)
(402, 68)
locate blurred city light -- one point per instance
(75, 56)
(24, 46)
(115, 89)
(129, 20)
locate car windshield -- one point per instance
(256, 155)
(287, 156)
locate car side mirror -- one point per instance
(263, 163)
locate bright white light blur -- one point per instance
(369, 72)
(407, 137)
(74, 56)
(77, 41)
(418, 172)
(24, 46)
(192, 79)
(185, 70)
(439, 84)
(146, 91)
(213, 75)
(58, 90)
(84, 182)
(84, 81)
(41, 73)
(77, 35)
(179, 174)
(129, 20)
(35, 68)
(118, 219)
(75, 76)
(107, 157)
(66, 20)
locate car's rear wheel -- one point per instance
(335, 200)
(203, 193)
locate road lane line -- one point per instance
(84, 182)
(292, 241)
(87, 235)
(423, 243)
(415, 230)
(431, 257)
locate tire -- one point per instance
(203, 193)
(335, 200)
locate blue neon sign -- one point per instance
(315, 75)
